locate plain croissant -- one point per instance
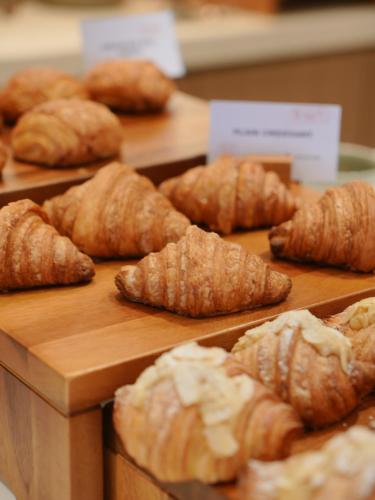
(3, 155)
(32, 253)
(196, 414)
(67, 132)
(357, 322)
(229, 193)
(344, 469)
(117, 213)
(338, 230)
(308, 364)
(203, 275)
(129, 85)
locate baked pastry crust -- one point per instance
(32, 86)
(231, 192)
(129, 85)
(32, 253)
(338, 230)
(196, 414)
(308, 364)
(203, 275)
(67, 132)
(344, 469)
(3, 155)
(117, 213)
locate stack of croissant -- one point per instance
(202, 413)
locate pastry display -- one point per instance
(338, 230)
(308, 364)
(231, 192)
(32, 86)
(203, 275)
(117, 213)
(344, 469)
(3, 155)
(129, 85)
(196, 414)
(67, 132)
(32, 253)
(357, 322)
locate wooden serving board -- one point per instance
(125, 480)
(75, 345)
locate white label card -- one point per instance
(143, 36)
(309, 132)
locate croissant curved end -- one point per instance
(278, 287)
(87, 268)
(278, 237)
(129, 281)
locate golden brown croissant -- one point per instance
(67, 132)
(196, 414)
(32, 253)
(308, 364)
(203, 275)
(129, 85)
(117, 213)
(344, 469)
(32, 86)
(357, 322)
(338, 230)
(231, 192)
(3, 155)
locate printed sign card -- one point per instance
(149, 36)
(308, 132)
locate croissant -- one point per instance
(129, 85)
(308, 364)
(3, 155)
(32, 253)
(203, 275)
(229, 193)
(32, 86)
(196, 414)
(357, 322)
(67, 132)
(117, 213)
(344, 469)
(338, 230)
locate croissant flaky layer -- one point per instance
(308, 364)
(344, 469)
(338, 230)
(32, 253)
(67, 132)
(231, 192)
(35, 85)
(117, 213)
(196, 414)
(203, 275)
(129, 85)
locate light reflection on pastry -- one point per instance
(203, 275)
(129, 85)
(32, 86)
(308, 364)
(32, 253)
(344, 469)
(196, 414)
(67, 132)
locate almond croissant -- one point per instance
(203, 275)
(344, 469)
(32, 253)
(229, 193)
(129, 85)
(308, 364)
(67, 132)
(338, 230)
(357, 322)
(117, 213)
(196, 414)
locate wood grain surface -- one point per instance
(44, 455)
(124, 478)
(75, 345)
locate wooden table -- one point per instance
(64, 350)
